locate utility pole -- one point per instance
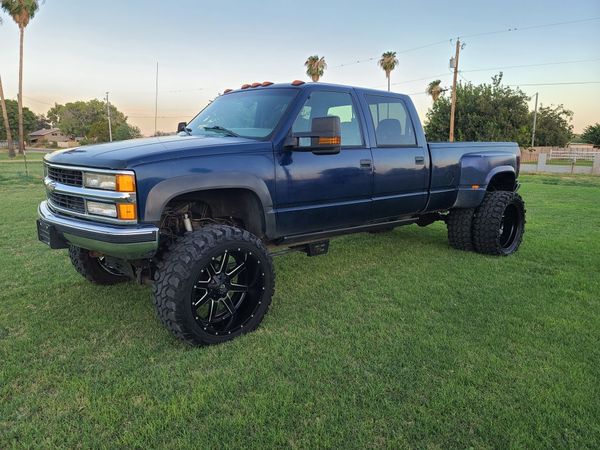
(534, 120)
(109, 123)
(156, 102)
(453, 105)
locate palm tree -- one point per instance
(388, 62)
(434, 90)
(315, 67)
(11, 149)
(22, 11)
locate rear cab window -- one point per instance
(391, 122)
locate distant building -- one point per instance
(52, 136)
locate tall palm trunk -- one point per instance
(21, 132)
(388, 77)
(11, 149)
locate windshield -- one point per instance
(249, 114)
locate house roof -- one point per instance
(44, 131)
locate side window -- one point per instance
(323, 104)
(391, 122)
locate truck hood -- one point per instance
(134, 152)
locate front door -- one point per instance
(320, 192)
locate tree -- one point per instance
(388, 62)
(315, 67)
(12, 112)
(553, 126)
(22, 11)
(89, 120)
(9, 141)
(435, 90)
(485, 112)
(42, 122)
(591, 134)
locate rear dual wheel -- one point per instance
(496, 227)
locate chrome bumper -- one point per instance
(121, 242)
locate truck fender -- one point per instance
(162, 193)
(476, 172)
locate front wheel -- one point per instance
(214, 284)
(95, 269)
(499, 223)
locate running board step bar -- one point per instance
(321, 235)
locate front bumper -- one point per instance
(138, 242)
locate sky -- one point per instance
(79, 50)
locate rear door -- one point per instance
(401, 172)
(325, 191)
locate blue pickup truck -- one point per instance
(263, 170)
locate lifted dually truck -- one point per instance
(261, 170)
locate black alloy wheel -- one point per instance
(228, 291)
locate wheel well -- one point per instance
(240, 207)
(503, 181)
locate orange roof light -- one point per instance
(297, 82)
(245, 86)
(226, 91)
(475, 186)
(255, 85)
(267, 83)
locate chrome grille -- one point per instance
(65, 176)
(69, 202)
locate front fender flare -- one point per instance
(162, 193)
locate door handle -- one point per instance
(419, 160)
(366, 163)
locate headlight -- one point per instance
(100, 181)
(119, 182)
(102, 209)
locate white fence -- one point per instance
(573, 154)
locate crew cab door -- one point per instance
(401, 163)
(324, 191)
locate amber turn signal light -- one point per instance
(126, 211)
(335, 140)
(125, 183)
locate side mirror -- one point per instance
(181, 126)
(324, 137)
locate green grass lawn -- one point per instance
(392, 340)
(31, 156)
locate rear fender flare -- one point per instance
(476, 172)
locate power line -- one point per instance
(398, 53)
(495, 68)
(485, 33)
(565, 83)
(532, 65)
(555, 84)
(531, 27)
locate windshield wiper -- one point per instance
(222, 129)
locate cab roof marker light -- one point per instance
(255, 85)
(266, 83)
(297, 82)
(245, 86)
(227, 91)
